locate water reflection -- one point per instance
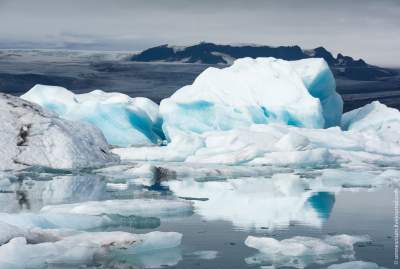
(254, 203)
(26, 193)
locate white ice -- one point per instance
(124, 121)
(301, 251)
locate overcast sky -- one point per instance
(361, 28)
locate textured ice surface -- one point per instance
(124, 121)
(137, 207)
(82, 248)
(301, 251)
(31, 136)
(255, 91)
(281, 145)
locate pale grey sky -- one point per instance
(369, 29)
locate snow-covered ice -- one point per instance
(32, 136)
(301, 251)
(134, 207)
(124, 121)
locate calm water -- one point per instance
(353, 211)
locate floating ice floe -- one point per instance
(82, 248)
(206, 254)
(301, 251)
(31, 136)
(134, 207)
(124, 121)
(355, 265)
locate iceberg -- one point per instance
(255, 91)
(124, 121)
(301, 251)
(32, 136)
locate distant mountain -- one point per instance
(210, 53)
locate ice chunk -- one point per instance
(82, 248)
(8, 232)
(206, 254)
(137, 207)
(124, 121)
(371, 116)
(31, 136)
(355, 265)
(301, 251)
(283, 199)
(255, 91)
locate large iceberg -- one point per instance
(32, 136)
(255, 91)
(124, 121)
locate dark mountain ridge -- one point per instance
(210, 53)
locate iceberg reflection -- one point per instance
(254, 203)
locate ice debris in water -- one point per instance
(32, 136)
(301, 251)
(124, 121)
(206, 254)
(136, 207)
(82, 248)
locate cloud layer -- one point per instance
(361, 28)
